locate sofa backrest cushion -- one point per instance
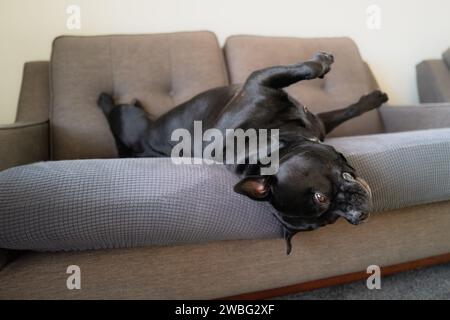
(348, 80)
(161, 70)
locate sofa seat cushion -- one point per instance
(233, 267)
(93, 204)
(99, 204)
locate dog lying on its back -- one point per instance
(314, 185)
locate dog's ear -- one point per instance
(255, 187)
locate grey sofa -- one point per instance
(58, 119)
(433, 79)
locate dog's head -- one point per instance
(313, 187)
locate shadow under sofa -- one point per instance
(58, 120)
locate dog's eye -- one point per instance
(347, 176)
(320, 198)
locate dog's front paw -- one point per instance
(375, 99)
(326, 60)
(324, 57)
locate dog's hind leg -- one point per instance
(332, 119)
(282, 76)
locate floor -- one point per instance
(427, 283)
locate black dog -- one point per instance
(314, 185)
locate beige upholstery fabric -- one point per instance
(26, 141)
(416, 117)
(34, 97)
(161, 70)
(373, 84)
(232, 267)
(23, 143)
(344, 85)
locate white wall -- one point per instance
(410, 30)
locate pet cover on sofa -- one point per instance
(93, 204)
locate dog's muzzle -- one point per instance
(357, 216)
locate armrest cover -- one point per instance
(100, 204)
(22, 143)
(416, 117)
(403, 169)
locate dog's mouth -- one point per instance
(354, 217)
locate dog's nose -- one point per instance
(357, 217)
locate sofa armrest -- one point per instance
(23, 142)
(34, 98)
(433, 81)
(415, 117)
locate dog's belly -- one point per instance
(226, 109)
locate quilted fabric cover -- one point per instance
(94, 204)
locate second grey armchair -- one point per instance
(433, 79)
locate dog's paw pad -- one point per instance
(376, 98)
(325, 57)
(384, 97)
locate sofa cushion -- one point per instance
(348, 80)
(98, 204)
(162, 70)
(234, 267)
